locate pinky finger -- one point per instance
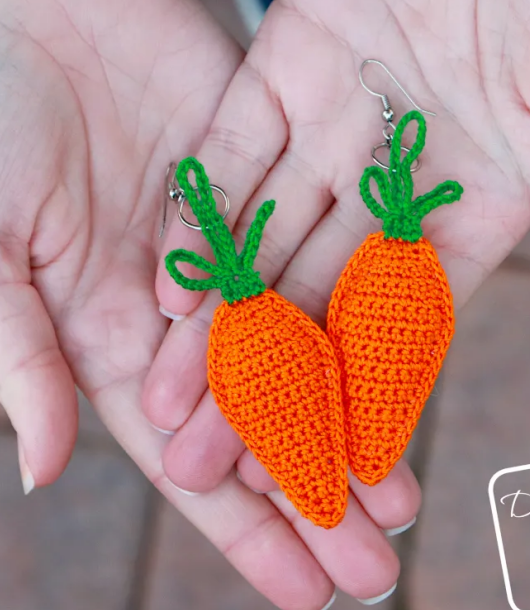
(36, 387)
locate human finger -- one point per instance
(254, 475)
(36, 387)
(356, 554)
(245, 527)
(237, 153)
(203, 451)
(392, 503)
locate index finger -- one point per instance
(237, 155)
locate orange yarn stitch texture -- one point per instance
(271, 369)
(275, 377)
(391, 321)
(391, 315)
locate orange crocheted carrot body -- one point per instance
(391, 321)
(391, 317)
(272, 371)
(289, 415)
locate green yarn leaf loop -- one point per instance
(232, 274)
(400, 213)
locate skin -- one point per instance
(94, 106)
(300, 130)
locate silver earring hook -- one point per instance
(383, 96)
(173, 192)
(388, 114)
(170, 193)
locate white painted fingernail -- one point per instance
(262, 493)
(168, 432)
(185, 491)
(28, 482)
(168, 314)
(377, 600)
(331, 601)
(399, 530)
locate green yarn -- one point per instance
(232, 274)
(401, 215)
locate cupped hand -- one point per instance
(94, 103)
(295, 125)
(96, 100)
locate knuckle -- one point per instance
(238, 144)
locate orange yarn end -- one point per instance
(390, 321)
(276, 379)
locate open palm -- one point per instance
(295, 125)
(95, 102)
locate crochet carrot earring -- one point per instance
(391, 314)
(271, 369)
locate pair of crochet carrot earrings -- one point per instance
(308, 402)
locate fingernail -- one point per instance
(399, 530)
(185, 491)
(168, 314)
(168, 432)
(262, 493)
(376, 600)
(331, 601)
(28, 482)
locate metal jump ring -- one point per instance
(181, 200)
(413, 168)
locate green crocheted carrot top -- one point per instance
(233, 274)
(401, 214)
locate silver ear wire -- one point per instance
(383, 96)
(388, 113)
(171, 192)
